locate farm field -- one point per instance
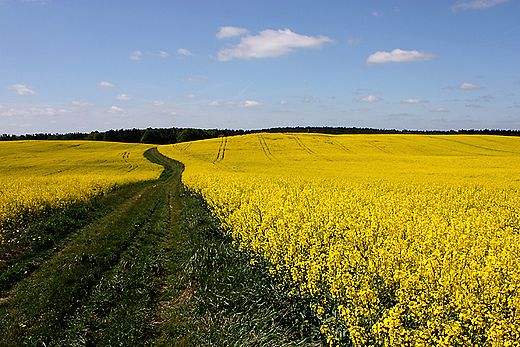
(395, 239)
(38, 175)
(105, 248)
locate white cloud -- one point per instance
(184, 51)
(225, 32)
(270, 43)
(305, 98)
(230, 103)
(2, 107)
(413, 101)
(370, 98)
(375, 13)
(469, 86)
(79, 103)
(163, 54)
(398, 56)
(249, 103)
(476, 4)
(157, 103)
(135, 55)
(105, 84)
(117, 110)
(190, 96)
(440, 109)
(283, 102)
(21, 89)
(214, 103)
(124, 97)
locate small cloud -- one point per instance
(213, 103)
(370, 98)
(135, 55)
(398, 56)
(174, 113)
(302, 81)
(375, 13)
(317, 100)
(486, 98)
(440, 109)
(469, 86)
(249, 103)
(475, 4)
(413, 101)
(474, 106)
(105, 84)
(79, 103)
(190, 96)
(184, 52)
(225, 32)
(283, 102)
(21, 89)
(270, 43)
(162, 54)
(198, 78)
(157, 103)
(354, 42)
(305, 98)
(116, 110)
(230, 103)
(124, 97)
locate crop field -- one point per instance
(38, 175)
(394, 239)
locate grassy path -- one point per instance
(153, 270)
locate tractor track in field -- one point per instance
(221, 150)
(107, 269)
(265, 148)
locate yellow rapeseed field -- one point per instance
(408, 240)
(35, 175)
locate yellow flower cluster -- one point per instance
(398, 239)
(39, 174)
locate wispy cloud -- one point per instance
(440, 109)
(116, 110)
(249, 103)
(135, 55)
(271, 43)
(21, 89)
(283, 102)
(124, 97)
(106, 84)
(198, 78)
(225, 32)
(413, 101)
(370, 98)
(354, 42)
(184, 51)
(398, 56)
(213, 103)
(469, 86)
(475, 4)
(79, 103)
(190, 96)
(157, 103)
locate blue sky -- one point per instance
(79, 66)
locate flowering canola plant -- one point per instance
(36, 175)
(409, 240)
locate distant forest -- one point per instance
(161, 136)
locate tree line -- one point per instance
(162, 136)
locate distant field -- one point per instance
(398, 239)
(35, 175)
